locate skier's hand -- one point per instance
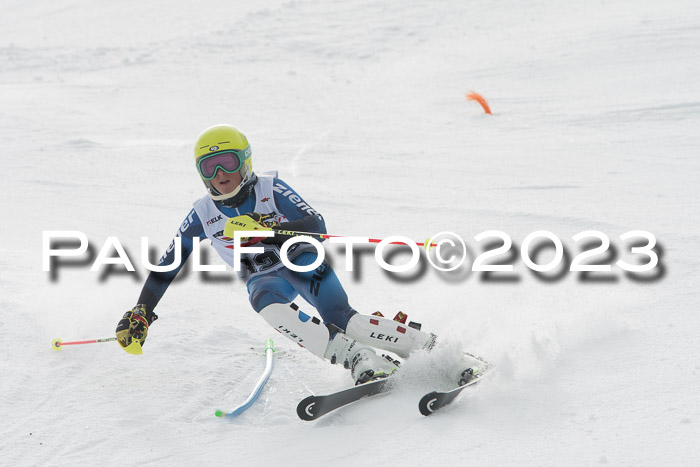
(279, 238)
(305, 224)
(249, 222)
(266, 220)
(133, 328)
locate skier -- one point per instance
(246, 201)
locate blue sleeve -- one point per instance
(300, 215)
(157, 282)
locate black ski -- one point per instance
(315, 407)
(436, 400)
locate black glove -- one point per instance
(132, 329)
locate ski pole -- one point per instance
(58, 343)
(269, 350)
(252, 222)
(294, 233)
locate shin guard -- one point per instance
(389, 335)
(307, 331)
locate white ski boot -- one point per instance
(467, 368)
(364, 363)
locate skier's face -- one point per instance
(225, 182)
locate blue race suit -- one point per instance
(320, 287)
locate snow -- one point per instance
(361, 107)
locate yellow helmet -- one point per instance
(213, 152)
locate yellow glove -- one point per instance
(249, 222)
(133, 328)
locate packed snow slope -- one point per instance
(361, 107)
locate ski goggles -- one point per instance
(230, 161)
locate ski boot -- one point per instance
(468, 368)
(362, 361)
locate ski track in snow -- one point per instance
(360, 106)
